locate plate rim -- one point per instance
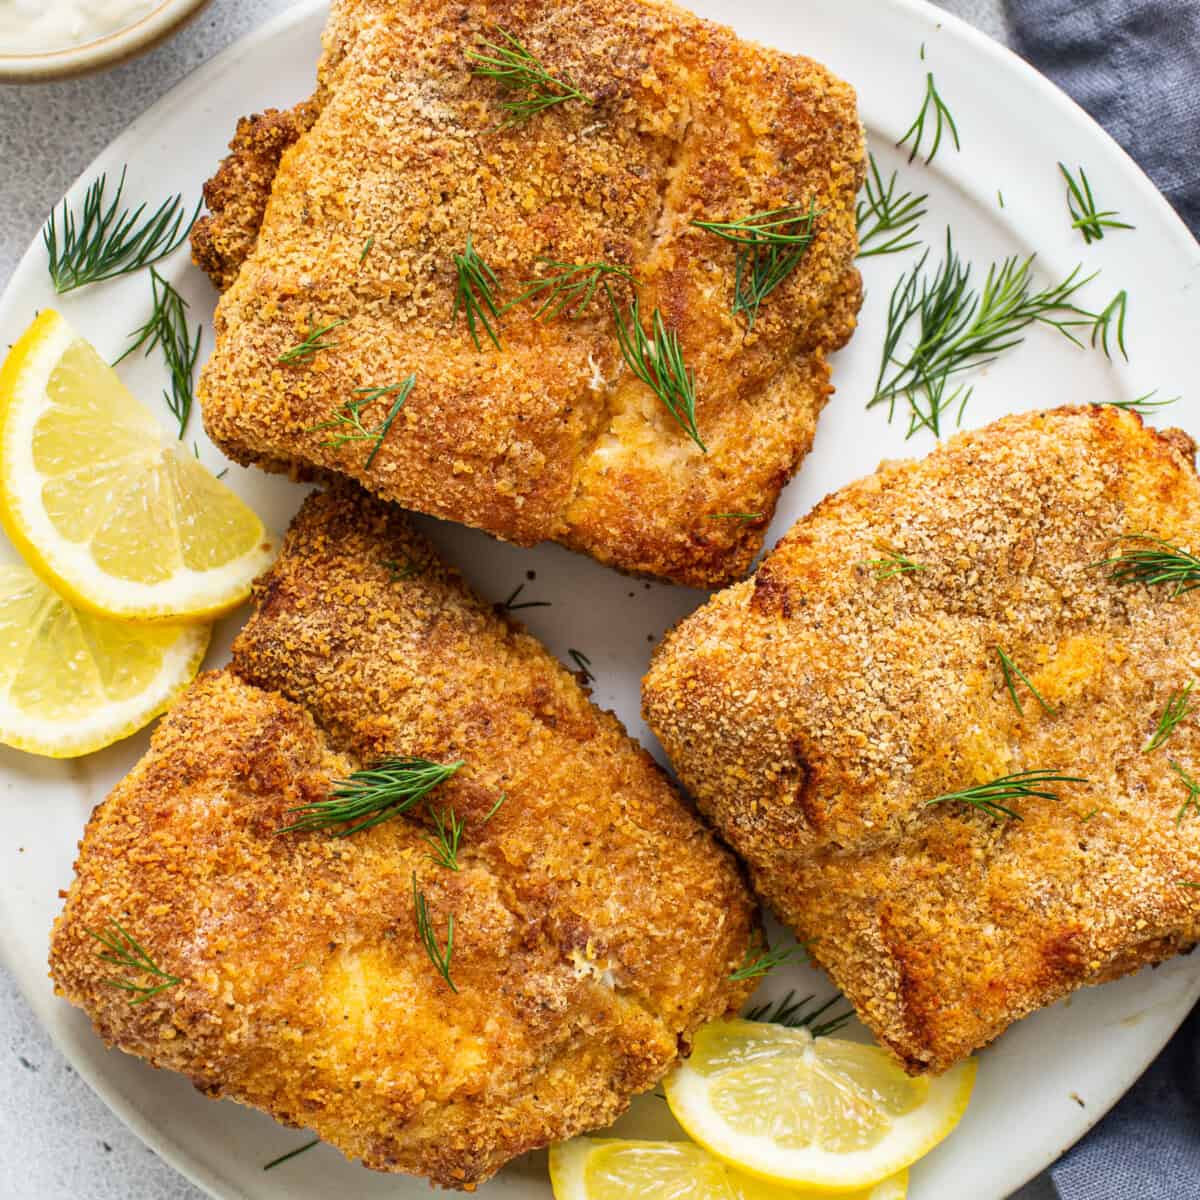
(191, 87)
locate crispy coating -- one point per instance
(551, 437)
(815, 709)
(596, 920)
(240, 189)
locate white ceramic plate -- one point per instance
(1047, 1080)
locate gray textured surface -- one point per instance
(57, 1140)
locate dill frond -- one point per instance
(167, 330)
(756, 965)
(473, 294)
(885, 213)
(743, 518)
(794, 1013)
(1103, 321)
(347, 426)
(512, 605)
(892, 563)
(1192, 803)
(990, 797)
(105, 241)
(1153, 562)
(1011, 674)
(440, 958)
(122, 949)
(1179, 708)
(445, 838)
(943, 119)
(1144, 404)
(939, 326)
(312, 343)
(583, 665)
(275, 1162)
(372, 795)
(530, 87)
(1081, 204)
(570, 287)
(658, 362)
(769, 246)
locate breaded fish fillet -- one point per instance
(403, 154)
(818, 708)
(596, 921)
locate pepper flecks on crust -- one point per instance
(404, 151)
(596, 919)
(817, 709)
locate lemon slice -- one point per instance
(825, 1113)
(612, 1169)
(115, 518)
(70, 682)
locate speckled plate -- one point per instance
(1055, 1073)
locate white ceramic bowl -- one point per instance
(160, 22)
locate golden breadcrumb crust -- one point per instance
(816, 708)
(402, 155)
(596, 920)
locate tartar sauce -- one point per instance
(39, 26)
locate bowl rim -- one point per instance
(147, 31)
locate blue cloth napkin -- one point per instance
(1135, 66)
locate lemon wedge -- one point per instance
(612, 1169)
(800, 1111)
(71, 682)
(118, 520)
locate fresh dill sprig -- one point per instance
(106, 241)
(275, 1162)
(1085, 217)
(1188, 883)
(794, 1013)
(942, 117)
(570, 287)
(372, 795)
(883, 212)
(122, 949)
(754, 966)
(1193, 797)
(658, 363)
(511, 605)
(312, 344)
(473, 294)
(989, 797)
(348, 422)
(1103, 320)
(892, 563)
(447, 833)
(1179, 708)
(531, 88)
(1153, 561)
(439, 957)
(743, 518)
(1142, 404)
(1012, 673)
(583, 665)
(495, 808)
(939, 326)
(167, 329)
(768, 248)
(362, 258)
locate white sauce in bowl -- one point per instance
(40, 26)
